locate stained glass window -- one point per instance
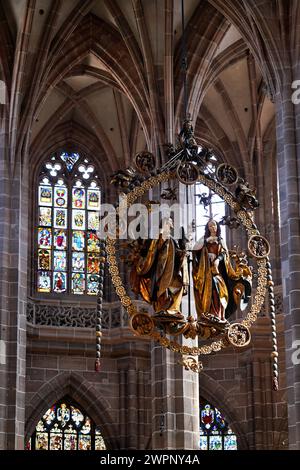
(67, 244)
(208, 205)
(215, 432)
(66, 427)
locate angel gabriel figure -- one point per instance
(160, 272)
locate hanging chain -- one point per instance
(99, 307)
(184, 61)
(274, 354)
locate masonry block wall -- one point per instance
(139, 381)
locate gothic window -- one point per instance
(215, 432)
(66, 427)
(208, 205)
(67, 246)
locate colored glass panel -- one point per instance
(78, 198)
(60, 218)
(62, 206)
(86, 428)
(84, 442)
(78, 261)
(215, 443)
(44, 281)
(56, 440)
(40, 426)
(207, 416)
(66, 427)
(215, 433)
(219, 419)
(44, 237)
(59, 260)
(60, 196)
(93, 242)
(44, 260)
(60, 239)
(45, 195)
(49, 416)
(203, 443)
(41, 441)
(93, 199)
(92, 284)
(93, 263)
(70, 159)
(99, 441)
(63, 414)
(78, 240)
(230, 442)
(77, 416)
(93, 220)
(45, 214)
(78, 219)
(59, 282)
(70, 440)
(78, 283)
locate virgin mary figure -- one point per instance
(219, 288)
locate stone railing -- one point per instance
(113, 316)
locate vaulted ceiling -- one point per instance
(105, 76)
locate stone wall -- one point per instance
(142, 398)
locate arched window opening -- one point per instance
(67, 245)
(208, 204)
(215, 432)
(65, 426)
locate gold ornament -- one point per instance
(236, 335)
(239, 335)
(142, 324)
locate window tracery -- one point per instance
(65, 426)
(215, 432)
(68, 249)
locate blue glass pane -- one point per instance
(207, 417)
(230, 442)
(203, 442)
(70, 159)
(59, 282)
(215, 443)
(219, 419)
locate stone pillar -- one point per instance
(175, 402)
(13, 293)
(288, 145)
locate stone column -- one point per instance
(175, 402)
(13, 294)
(288, 147)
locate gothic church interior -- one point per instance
(84, 86)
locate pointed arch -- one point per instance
(94, 36)
(71, 135)
(204, 32)
(85, 394)
(217, 395)
(250, 20)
